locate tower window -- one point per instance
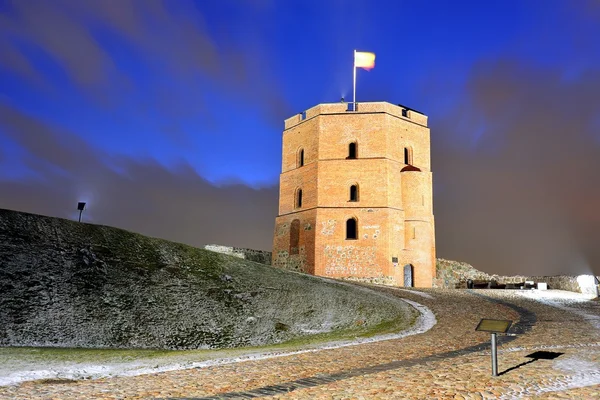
(295, 236)
(300, 157)
(352, 150)
(351, 229)
(407, 156)
(299, 198)
(354, 193)
(405, 113)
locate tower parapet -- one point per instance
(399, 111)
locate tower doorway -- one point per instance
(408, 275)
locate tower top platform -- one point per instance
(380, 107)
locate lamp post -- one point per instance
(80, 207)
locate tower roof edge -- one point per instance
(399, 111)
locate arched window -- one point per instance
(300, 158)
(354, 193)
(407, 156)
(351, 151)
(295, 236)
(351, 229)
(299, 198)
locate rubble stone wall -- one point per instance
(259, 256)
(454, 275)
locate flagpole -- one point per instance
(354, 83)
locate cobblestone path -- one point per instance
(450, 361)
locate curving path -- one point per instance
(450, 360)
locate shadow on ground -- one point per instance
(538, 355)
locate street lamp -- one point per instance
(80, 207)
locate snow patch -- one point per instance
(582, 373)
(426, 295)
(565, 300)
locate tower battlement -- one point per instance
(398, 111)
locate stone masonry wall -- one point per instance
(259, 256)
(454, 275)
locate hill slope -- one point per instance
(70, 284)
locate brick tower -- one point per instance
(355, 196)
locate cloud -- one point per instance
(175, 52)
(142, 196)
(517, 172)
(45, 145)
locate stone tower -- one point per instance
(355, 196)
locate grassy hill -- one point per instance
(70, 284)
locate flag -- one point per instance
(364, 60)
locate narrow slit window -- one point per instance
(354, 193)
(351, 229)
(407, 156)
(299, 198)
(301, 158)
(352, 150)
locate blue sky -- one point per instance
(97, 95)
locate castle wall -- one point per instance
(304, 178)
(302, 136)
(285, 255)
(454, 275)
(366, 256)
(259, 256)
(419, 225)
(341, 108)
(336, 131)
(336, 176)
(414, 136)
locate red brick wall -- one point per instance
(394, 211)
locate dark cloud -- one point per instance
(142, 196)
(66, 40)
(517, 172)
(13, 60)
(45, 145)
(171, 38)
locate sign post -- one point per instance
(494, 326)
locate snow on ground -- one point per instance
(15, 372)
(426, 295)
(578, 373)
(566, 301)
(554, 295)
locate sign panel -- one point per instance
(494, 325)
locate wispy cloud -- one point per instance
(143, 196)
(183, 60)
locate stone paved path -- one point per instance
(447, 362)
